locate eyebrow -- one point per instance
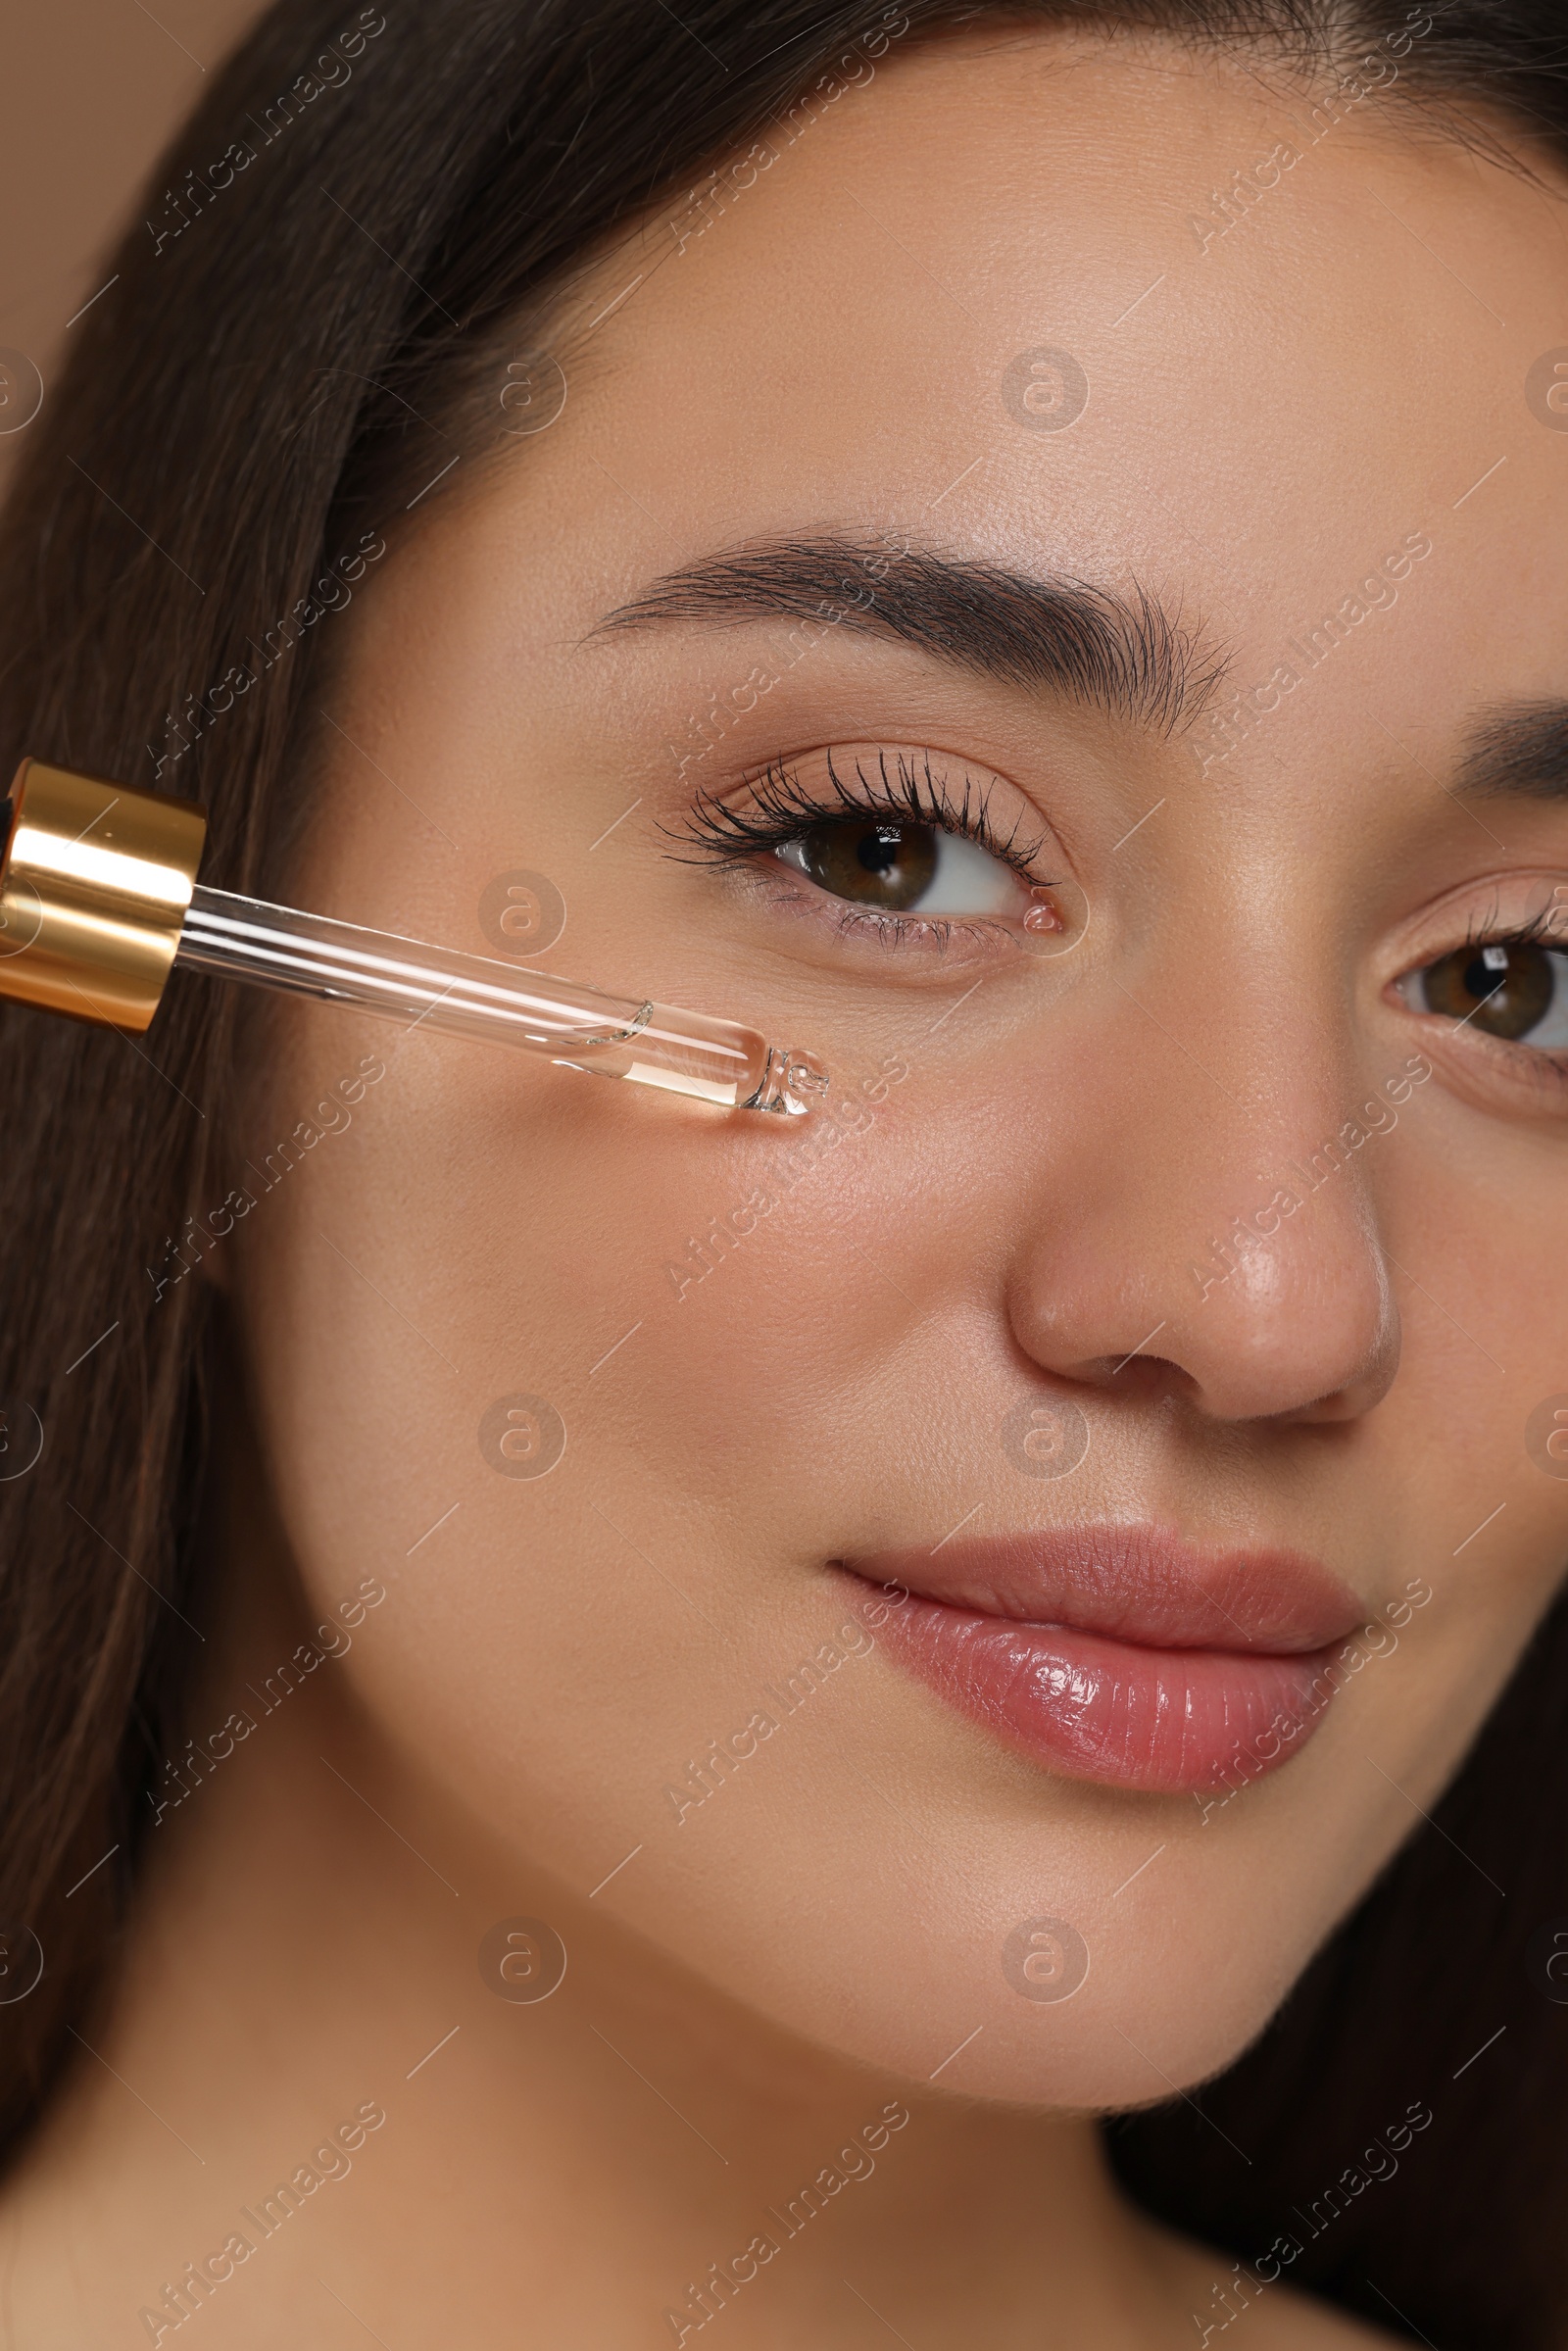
(1125, 655)
(1518, 748)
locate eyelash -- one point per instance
(782, 808)
(1536, 931)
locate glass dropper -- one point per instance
(99, 900)
(471, 996)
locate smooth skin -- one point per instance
(1017, 1213)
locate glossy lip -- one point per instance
(1121, 1653)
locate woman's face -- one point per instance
(1102, 453)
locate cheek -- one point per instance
(562, 1306)
(462, 1317)
(1483, 1360)
(783, 1373)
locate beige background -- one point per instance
(89, 90)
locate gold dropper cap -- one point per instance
(94, 888)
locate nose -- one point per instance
(1207, 1222)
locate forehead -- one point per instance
(1100, 309)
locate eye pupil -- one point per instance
(1507, 990)
(1488, 973)
(879, 851)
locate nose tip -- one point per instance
(1293, 1323)
(1303, 1326)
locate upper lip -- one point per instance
(1136, 1582)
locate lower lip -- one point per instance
(1115, 1711)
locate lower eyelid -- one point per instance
(795, 893)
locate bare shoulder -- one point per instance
(1235, 2309)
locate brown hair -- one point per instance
(307, 329)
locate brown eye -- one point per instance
(886, 865)
(1507, 990)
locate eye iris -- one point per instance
(874, 865)
(1508, 990)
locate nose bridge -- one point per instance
(1289, 1155)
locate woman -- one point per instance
(623, 1720)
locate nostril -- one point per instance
(1145, 1377)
